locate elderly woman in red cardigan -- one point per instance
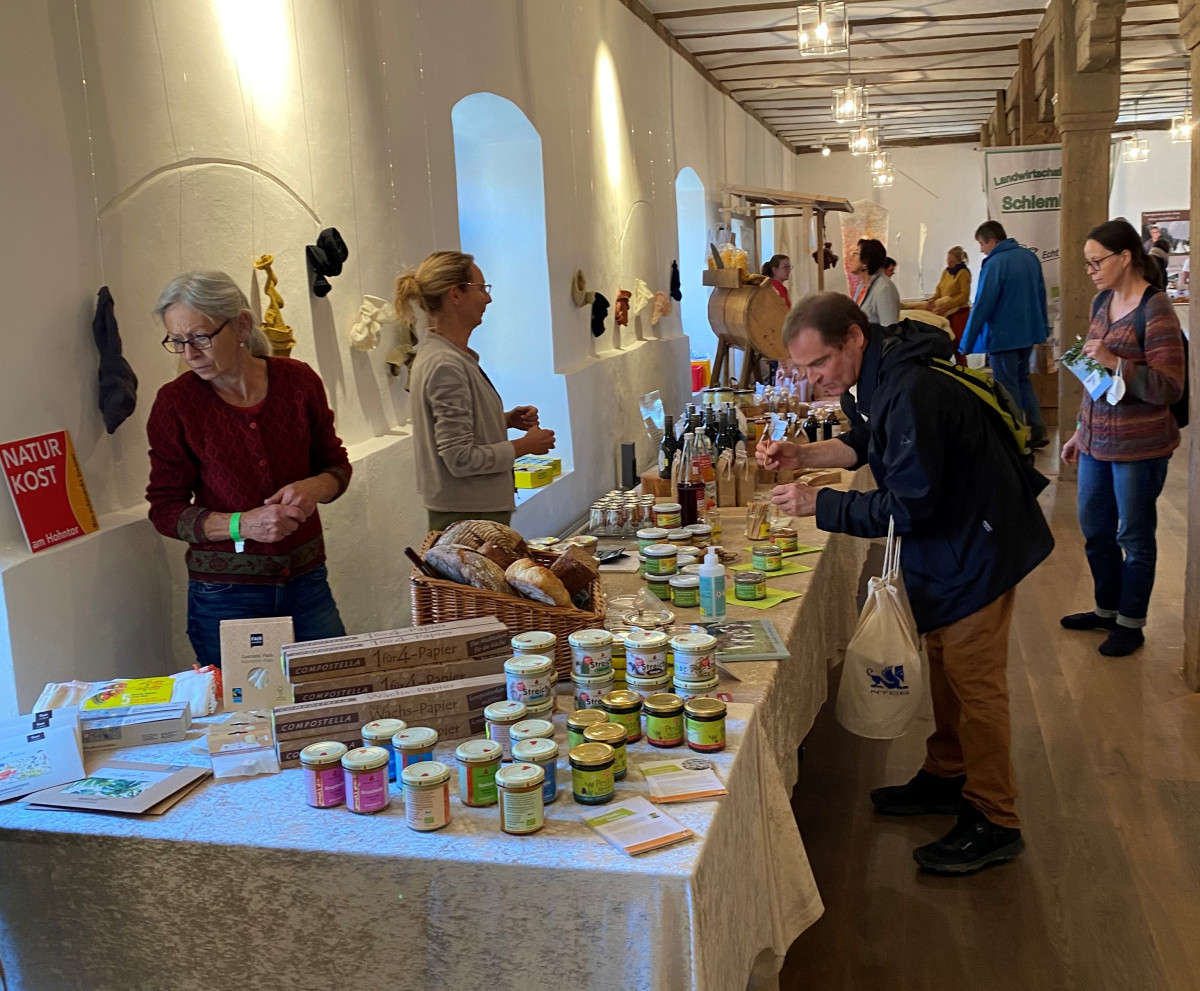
(242, 451)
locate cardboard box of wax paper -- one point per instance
(251, 669)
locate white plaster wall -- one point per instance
(1162, 183)
(218, 130)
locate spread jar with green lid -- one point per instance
(685, 591)
(534, 642)
(695, 656)
(614, 735)
(499, 718)
(785, 538)
(767, 557)
(580, 720)
(749, 585)
(645, 653)
(520, 790)
(704, 724)
(592, 773)
(365, 770)
(624, 708)
(478, 761)
(651, 535)
(426, 795)
(664, 720)
(661, 559)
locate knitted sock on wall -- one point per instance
(599, 314)
(118, 383)
(675, 292)
(621, 314)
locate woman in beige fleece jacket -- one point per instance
(462, 454)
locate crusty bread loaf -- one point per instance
(576, 569)
(467, 567)
(475, 533)
(499, 555)
(537, 583)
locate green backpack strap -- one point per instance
(995, 396)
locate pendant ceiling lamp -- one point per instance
(864, 140)
(1181, 128)
(822, 29)
(881, 162)
(884, 179)
(850, 103)
(1134, 148)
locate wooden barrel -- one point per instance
(749, 317)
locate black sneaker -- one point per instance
(1040, 443)
(926, 794)
(1122, 641)
(973, 844)
(1088, 621)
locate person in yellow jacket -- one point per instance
(951, 299)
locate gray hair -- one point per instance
(218, 297)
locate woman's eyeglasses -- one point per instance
(1093, 264)
(485, 286)
(201, 342)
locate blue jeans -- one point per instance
(1011, 370)
(306, 599)
(1118, 516)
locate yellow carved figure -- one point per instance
(278, 333)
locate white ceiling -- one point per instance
(932, 67)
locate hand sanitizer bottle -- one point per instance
(712, 587)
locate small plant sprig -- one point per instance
(1074, 354)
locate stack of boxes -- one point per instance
(532, 471)
(441, 676)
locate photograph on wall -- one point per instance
(1166, 235)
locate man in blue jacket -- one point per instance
(1009, 317)
(965, 501)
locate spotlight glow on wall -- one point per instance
(822, 29)
(257, 34)
(864, 140)
(609, 98)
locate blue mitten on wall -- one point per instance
(118, 383)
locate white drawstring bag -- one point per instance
(883, 677)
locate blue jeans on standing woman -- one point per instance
(307, 599)
(1011, 370)
(1119, 516)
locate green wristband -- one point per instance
(235, 532)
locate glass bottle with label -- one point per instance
(667, 449)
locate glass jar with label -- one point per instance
(685, 591)
(688, 690)
(426, 795)
(580, 720)
(520, 790)
(645, 653)
(749, 586)
(646, 687)
(785, 538)
(704, 724)
(589, 691)
(702, 534)
(767, 557)
(544, 753)
(591, 653)
(324, 783)
(660, 586)
(365, 770)
(667, 515)
(614, 735)
(534, 642)
(544, 710)
(661, 559)
(650, 535)
(379, 733)
(499, 718)
(531, 729)
(664, 720)
(695, 656)
(592, 780)
(530, 678)
(624, 708)
(414, 745)
(679, 538)
(478, 761)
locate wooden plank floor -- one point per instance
(1107, 754)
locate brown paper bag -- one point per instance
(726, 481)
(746, 472)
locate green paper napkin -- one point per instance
(774, 597)
(789, 568)
(800, 549)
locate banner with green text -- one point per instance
(1024, 193)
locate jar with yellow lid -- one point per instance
(645, 653)
(544, 753)
(704, 724)
(426, 795)
(580, 720)
(664, 720)
(592, 780)
(324, 782)
(365, 770)
(499, 718)
(379, 733)
(520, 790)
(614, 735)
(478, 761)
(625, 709)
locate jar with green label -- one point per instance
(664, 720)
(749, 586)
(478, 762)
(624, 708)
(649, 536)
(767, 557)
(704, 724)
(581, 719)
(680, 537)
(661, 559)
(685, 591)
(667, 515)
(660, 586)
(785, 538)
(592, 780)
(702, 534)
(612, 734)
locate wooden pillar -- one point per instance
(1189, 28)
(1088, 83)
(803, 267)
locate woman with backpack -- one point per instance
(1124, 440)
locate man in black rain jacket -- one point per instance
(965, 502)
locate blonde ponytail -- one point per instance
(426, 285)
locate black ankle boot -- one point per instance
(975, 842)
(925, 794)
(1088, 621)
(1122, 641)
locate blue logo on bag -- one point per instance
(892, 678)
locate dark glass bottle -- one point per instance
(667, 449)
(811, 427)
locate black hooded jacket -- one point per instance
(949, 473)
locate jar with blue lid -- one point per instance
(544, 753)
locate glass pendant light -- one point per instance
(883, 179)
(850, 103)
(1134, 148)
(1181, 128)
(881, 162)
(822, 29)
(864, 140)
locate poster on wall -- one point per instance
(1024, 193)
(48, 490)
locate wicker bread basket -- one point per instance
(436, 600)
